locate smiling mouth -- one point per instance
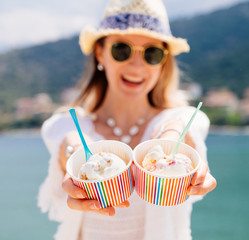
(132, 80)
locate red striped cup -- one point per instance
(157, 189)
(113, 190)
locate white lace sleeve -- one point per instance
(52, 198)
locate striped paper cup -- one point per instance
(113, 190)
(157, 189)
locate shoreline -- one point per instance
(214, 130)
(228, 130)
(21, 132)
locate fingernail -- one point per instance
(95, 206)
(107, 213)
(123, 204)
(193, 191)
(80, 195)
(126, 204)
(111, 212)
(194, 180)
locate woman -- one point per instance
(131, 96)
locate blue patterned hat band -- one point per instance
(142, 17)
(130, 20)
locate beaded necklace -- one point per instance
(117, 131)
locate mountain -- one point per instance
(219, 57)
(50, 68)
(219, 48)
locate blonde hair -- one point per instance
(163, 95)
(166, 94)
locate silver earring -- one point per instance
(100, 67)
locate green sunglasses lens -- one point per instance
(120, 51)
(153, 55)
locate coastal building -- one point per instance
(40, 104)
(244, 106)
(24, 108)
(221, 98)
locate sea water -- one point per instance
(222, 214)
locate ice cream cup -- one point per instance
(113, 190)
(157, 189)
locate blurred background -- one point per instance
(41, 62)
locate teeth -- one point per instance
(133, 79)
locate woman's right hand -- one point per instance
(77, 200)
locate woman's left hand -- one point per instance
(202, 181)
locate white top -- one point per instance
(142, 220)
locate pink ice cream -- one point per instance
(158, 162)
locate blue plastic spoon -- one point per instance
(185, 130)
(74, 117)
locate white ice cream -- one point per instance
(158, 162)
(100, 166)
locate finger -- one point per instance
(199, 176)
(194, 178)
(89, 205)
(124, 204)
(202, 189)
(109, 211)
(82, 205)
(72, 190)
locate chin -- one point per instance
(132, 95)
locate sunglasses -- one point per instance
(152, 54)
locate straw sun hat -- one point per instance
(143, 17)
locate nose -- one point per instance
(137, 59)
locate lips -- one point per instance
(132, 80)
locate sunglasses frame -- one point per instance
(141, 49)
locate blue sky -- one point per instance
(30, 22)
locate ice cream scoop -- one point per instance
(100, 166)
(167, 165)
